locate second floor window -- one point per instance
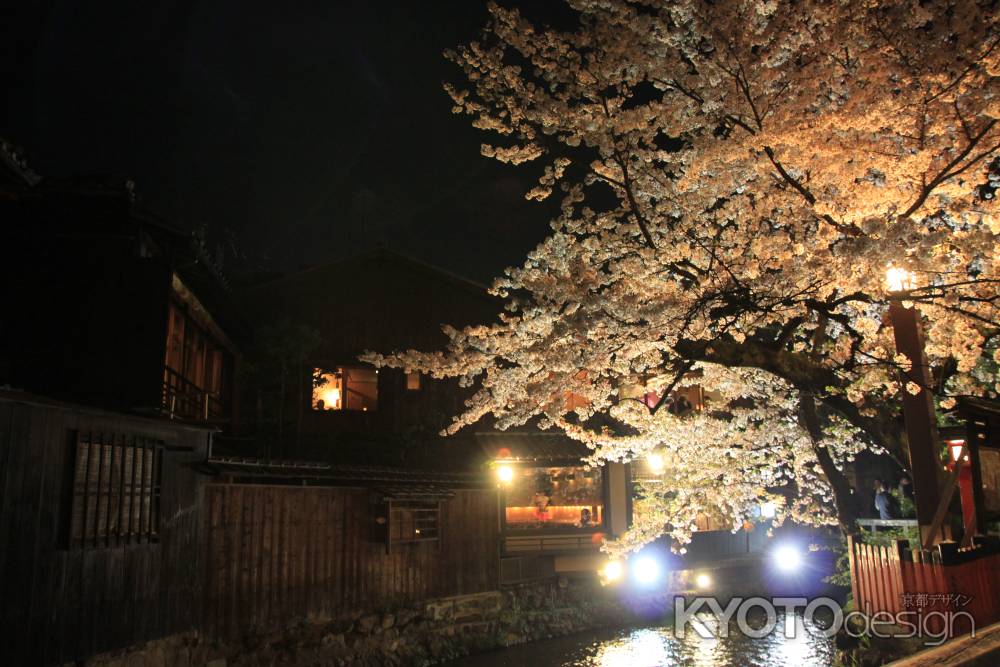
(345, 388)
(196, 369)
(413, 381)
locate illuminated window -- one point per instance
(197, 369)
(550, 497)
(345, 389)
(413, 381)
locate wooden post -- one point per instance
(918, 411)
(852, 559)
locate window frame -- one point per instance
(197, 367)
(520, 529)
(416, 375)
(343, 371)
(110, 483)
(430, 511)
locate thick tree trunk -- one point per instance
(843, 496)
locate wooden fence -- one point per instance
(928, 583)
(277, 554)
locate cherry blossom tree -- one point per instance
(736, 176)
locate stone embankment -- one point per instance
(419, 634)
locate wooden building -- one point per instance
(978, 472)
(384, 301)
(109, 305)
(555, 511)
(347, 411)
(100, 529)
(119, 529)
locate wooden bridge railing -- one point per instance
(929, 583)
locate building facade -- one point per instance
(110, 305)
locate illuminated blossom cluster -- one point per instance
(735, 178)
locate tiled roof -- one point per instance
(535, 445)
(394, 479)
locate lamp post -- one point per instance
(918, 408)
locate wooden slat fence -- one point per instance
(276, 555)
(897, 579)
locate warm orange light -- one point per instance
(331, 398)
(554, 514)
(898, 279)
(612, 571)
(956, 449)
(505, 474)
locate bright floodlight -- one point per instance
(505, 474)
(787, 558)
(612, 571)
(646, 570)
(703, 581)
(897, 279)
(655, 462)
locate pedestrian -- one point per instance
(905, 487)
(883, 503)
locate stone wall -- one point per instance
(424, 634)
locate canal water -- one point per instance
(658, 647)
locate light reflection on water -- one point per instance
(657, 647)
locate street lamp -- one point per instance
(505, 474)
(918, 409)
(612, 571)
(898, 279)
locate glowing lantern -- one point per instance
(897, 279)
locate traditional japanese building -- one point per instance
(110, 305)
(554, 510)
(342, 409)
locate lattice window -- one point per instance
(116, 490)
(413, 520)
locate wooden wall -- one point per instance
(278, 554)
(230, 558)
(59, 604)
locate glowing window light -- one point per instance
(655, 462)
(505, 474)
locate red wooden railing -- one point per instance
(933, 584)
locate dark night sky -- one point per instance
(308, 130)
